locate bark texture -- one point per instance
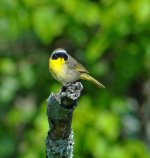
(60, 107)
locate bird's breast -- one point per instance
(61, 72)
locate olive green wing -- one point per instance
(73, 64)
(80, 68)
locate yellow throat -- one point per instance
(56, 65)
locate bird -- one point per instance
(65, 69)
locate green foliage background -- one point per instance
(112, 39)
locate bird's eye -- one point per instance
(54, 56)
(65, 56)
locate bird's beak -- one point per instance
(61, 60)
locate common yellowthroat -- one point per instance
(66, 69)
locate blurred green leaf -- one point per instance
(137, 149)
(27, 76)
(108, 124)
(45, 26)
(8, 89)
(7, 66)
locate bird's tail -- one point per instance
(86, 76)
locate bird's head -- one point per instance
(59, 53)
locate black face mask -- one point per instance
(57, 55)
